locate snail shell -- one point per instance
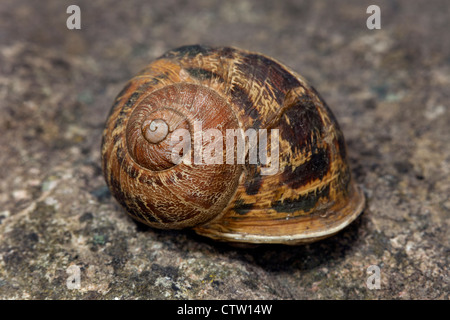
(309, 196)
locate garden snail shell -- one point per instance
(311, 196)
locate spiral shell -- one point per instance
(310, 196)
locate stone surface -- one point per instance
(389, 89)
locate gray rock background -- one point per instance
(389, 89)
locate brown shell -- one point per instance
(312, 196)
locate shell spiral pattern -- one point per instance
(310, 197)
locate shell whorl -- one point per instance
(171, 194)
(150, 129)
(155, 130)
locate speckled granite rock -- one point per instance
(389, 89)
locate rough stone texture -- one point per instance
(389, 89)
